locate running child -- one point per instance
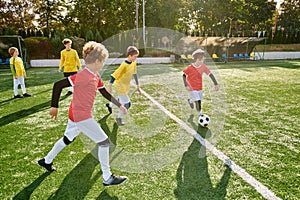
(18, 71)
(85, 84)
(192, 79)
(121, 78)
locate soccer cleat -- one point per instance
(108, 108)
(18, 96)
(114, 180)
(191, 104)
(48, 167)
(119, 122)
(26, 95)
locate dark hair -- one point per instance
(66, 41)
(132, 50)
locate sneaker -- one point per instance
(48, 167)
(191, 104)
(69, 93)
(26, 95)
(18, 96)
(119, 122)
(108, 108)
(114, 180)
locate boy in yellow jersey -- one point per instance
(69, 59)
(18, 71)
(122, 77)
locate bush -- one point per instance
(39, 47)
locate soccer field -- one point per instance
(254, 123)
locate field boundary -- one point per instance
(259, 187)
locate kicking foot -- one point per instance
(48, 167)
(114, 180)
(119, 122)
(18, 96)
(191, 104)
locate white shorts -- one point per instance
(124, 99)
(196, 95)
(89, 127)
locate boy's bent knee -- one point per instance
(67, 141)
(104, 143)
(127, 105)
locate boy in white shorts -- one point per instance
(192, 79)
(85, 84)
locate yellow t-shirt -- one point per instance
(17, 66)
(69, 59)
(123, 76)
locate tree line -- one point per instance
(100, 19)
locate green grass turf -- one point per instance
(259, 132)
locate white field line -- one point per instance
(263, 190)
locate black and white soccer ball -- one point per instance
(204, 120)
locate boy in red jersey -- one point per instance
(192, 79)
(85, 84)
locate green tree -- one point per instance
(289, 19)
(16, 16)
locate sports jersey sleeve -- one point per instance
(12, 67)
(62, 59)
(57, 88)
(119, 72)
(109, 97)
(100, 83)
(78, 60)
(72, 79)
(186, 70)
(206, 70)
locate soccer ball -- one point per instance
(204, 120)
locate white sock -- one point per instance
(58, 146)
(103, 156)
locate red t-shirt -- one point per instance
(85, 85)
(194, 75)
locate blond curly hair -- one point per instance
(93, 51)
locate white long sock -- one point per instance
(120, 115)
(58, 146)
(103, 156)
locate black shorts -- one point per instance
(67, 74)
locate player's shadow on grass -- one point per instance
(193, 179)
(25, 112)
(80, 180)
(27, 191)
(105, 196)
(112, 134)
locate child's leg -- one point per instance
(91, 129)
(22, 82)
(198, 107)
(124, 100)
(16, 84)
(196, 96)
(70, 133)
